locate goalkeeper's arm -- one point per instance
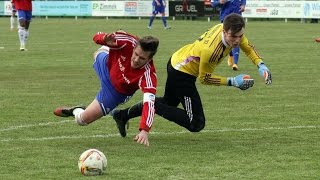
(265, 73)
(241, 81)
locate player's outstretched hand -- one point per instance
(241, 81)
(265, 73)
(142, 138)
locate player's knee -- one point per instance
(105, 49)
(197, 127)
(22, 23)
(95, 54)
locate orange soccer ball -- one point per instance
(317, 39)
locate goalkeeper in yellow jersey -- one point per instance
(199, 60)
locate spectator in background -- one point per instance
(227, 7)
(13, 15)
(24, 8)
(158, 6)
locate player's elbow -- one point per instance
(202, 80)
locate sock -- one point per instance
(133, 111)
(231, 54)
(77, 111)
(164, 20)
(11, 22)
(77, 116)
(236, 53)
(21, 33)
(151, 20)
(26, 36)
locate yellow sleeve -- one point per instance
(250, 51)
(206, 68)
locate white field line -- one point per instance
(34, 125)
(53, 43)
(152, 132)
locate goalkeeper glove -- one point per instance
(241, 81)
(265, 73)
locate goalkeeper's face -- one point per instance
(139, 57)
(233, 39)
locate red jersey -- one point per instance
(127, 80)
(25, 5)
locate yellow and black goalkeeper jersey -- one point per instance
(202, 56)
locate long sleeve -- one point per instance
(148, 112)
(148, 86)
(209, 61)
(115, 40)
(99, 38)
(250, 51)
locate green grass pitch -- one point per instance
(266, 132)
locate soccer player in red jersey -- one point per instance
(24, 8)
(123, 64)
(13, 15)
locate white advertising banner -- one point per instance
(107, 8)
(7, 8)
(254, 8)
(123, 8)
(282, 9)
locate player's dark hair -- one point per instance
(149, 44)
(233, 22)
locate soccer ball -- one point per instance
(92, 162)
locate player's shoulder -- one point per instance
(149, 67)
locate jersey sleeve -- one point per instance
(99, 37)
(148, 84)
(207, 66)
(250, 51)
(115, 40)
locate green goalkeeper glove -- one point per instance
(241, 81)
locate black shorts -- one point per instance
(181, 88)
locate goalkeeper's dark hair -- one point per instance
(233, 22)
(149, 44)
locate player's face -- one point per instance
(233, 40)
(139, 57)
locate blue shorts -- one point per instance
(107, 97)
(158, 9)
(25, 15)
